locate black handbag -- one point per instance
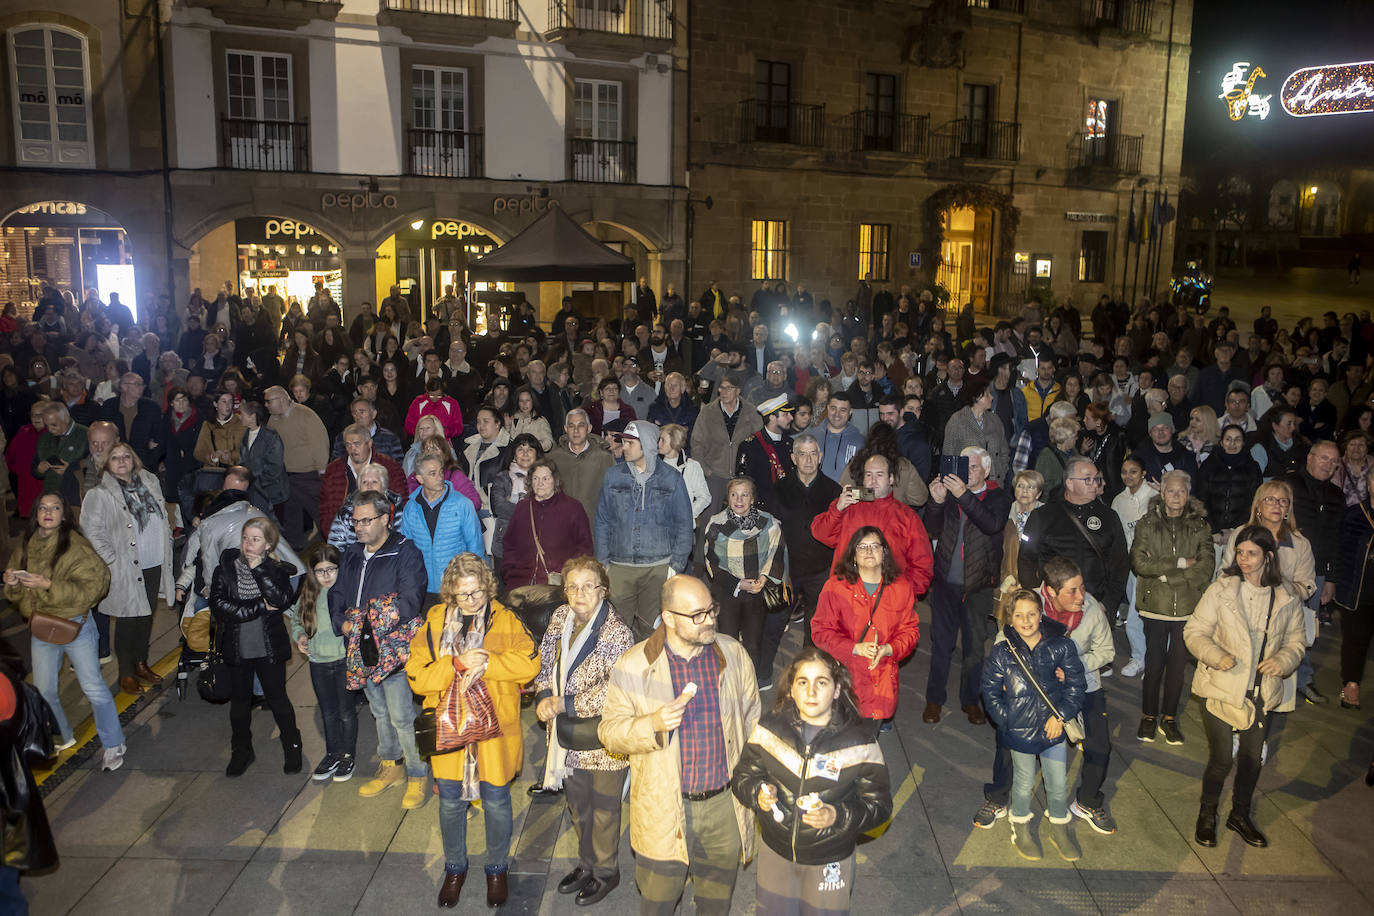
(426, 733)
(776, 597)
(212, 683)
(577, 733)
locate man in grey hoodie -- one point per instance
(643, 527)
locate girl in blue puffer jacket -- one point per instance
(1025, 724)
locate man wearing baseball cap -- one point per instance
(643, 527)
(766, 456)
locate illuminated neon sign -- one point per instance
(1330, 89)
(1238, 91)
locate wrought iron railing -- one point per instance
(444, 153)
(885, 131)
(971, 138)
(642, 18)
(1005, 6)
(1134, 17)
(505, 10)
(1111, 152)
(605, 161)
(762, 121)
(267, 146)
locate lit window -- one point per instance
(769, 260)
(1092, 257)
(873, 248)
(48, 72)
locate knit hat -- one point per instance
(1161, 418)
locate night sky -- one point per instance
(1279, 37)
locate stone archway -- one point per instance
(1002, 238)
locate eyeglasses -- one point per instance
(583, 589)
(870, 548)
(364, 521)
(1276, 501)
(326, 570)
(1096, 480)
(701, 616)
(471, 596)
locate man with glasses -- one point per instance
(1318, 508)
(582, 461)
(853, 509)
(341, 476)
(1083, 528)
(801, 496)
(720, 428)
(380, 590)
(642, 527)
(305, 453)
(681, 705)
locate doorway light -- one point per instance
(417, 225)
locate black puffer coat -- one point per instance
(861, 794)
(1013, 702)
(985, 524)
(231, 611)
(1319, 508)
(1226, 485)
(1354, 572)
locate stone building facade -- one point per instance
(984, 144)
(358, 142)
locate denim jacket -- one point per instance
(641, 526)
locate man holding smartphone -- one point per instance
(873, 504)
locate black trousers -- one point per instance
(1166, 662)
(1220, 757)
(1096, 748)
(1357, 628)
(133, 634)
(957, 618)
(272, 676)
(808, 589)
(741, 616)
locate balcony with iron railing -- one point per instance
(275, 13)
(1109, 153)
(1001, 6)
(451, 19)
(265, 146)
(794, 123)
(444, 153)
(971, 138)
(602, 161)
(873, 131)
(1126, 18)
(611, 23)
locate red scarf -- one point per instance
(1070, 619)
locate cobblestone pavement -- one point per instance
(169, 834)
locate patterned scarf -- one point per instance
(462, 633)
(139, 500)
(746, 547)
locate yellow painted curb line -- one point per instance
(85, 730)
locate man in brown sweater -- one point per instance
(305, 453)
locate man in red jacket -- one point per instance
(899, 523)
(341, 475)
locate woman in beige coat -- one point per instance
(1247, 635)
(125, 519)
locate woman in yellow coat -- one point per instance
(470, 636)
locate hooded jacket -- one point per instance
(1164, 589)
(1013, 702)
(1227, 483)
(644, 519)
(859, 789)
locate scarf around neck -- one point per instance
(1070, 619)
(141, 503)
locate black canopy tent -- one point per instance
(552, 248)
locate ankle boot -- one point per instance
(291, 751)
(1240, 822)
(239, 761)
(1206, 832)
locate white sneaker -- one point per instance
(1132, 668)
(113, 758)
(62, 746)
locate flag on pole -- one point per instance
(1132, 234)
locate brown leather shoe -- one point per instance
(131, 685)
(146, 674)
(932, 713)
(496, 889)
(450, 889)
(975, 714)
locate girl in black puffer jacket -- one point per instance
(1025, 726)
(248, 594)
(1227, 482)
(813, 773)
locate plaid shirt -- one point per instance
(701, 741)
(1021, 451)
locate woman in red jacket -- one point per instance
(866, 618)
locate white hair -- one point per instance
(983, 457)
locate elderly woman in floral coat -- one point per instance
(583, 641)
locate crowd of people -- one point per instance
(617, 521)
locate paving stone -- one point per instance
(1021, 891)
(1163, 894)
(215, 817)
(1295, 897)
(108, 812)
(186, 887)
(328, 822)
(295, 887)
(59, 891)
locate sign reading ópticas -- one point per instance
(1308, 92)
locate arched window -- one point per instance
(49, 73)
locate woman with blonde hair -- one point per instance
(672, 443)
(1203, 433)
(1272, 509)
(471, 642)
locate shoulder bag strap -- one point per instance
(538, 548)
(1034, 683)
(1264, 644)
(1083, 529)
(877, 597)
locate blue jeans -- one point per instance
(1135, 627)
(338, 707)
(1314, 604)
(393, 706)
(453, 825)
(47, 665)
(12, 902)
(1054, 767)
